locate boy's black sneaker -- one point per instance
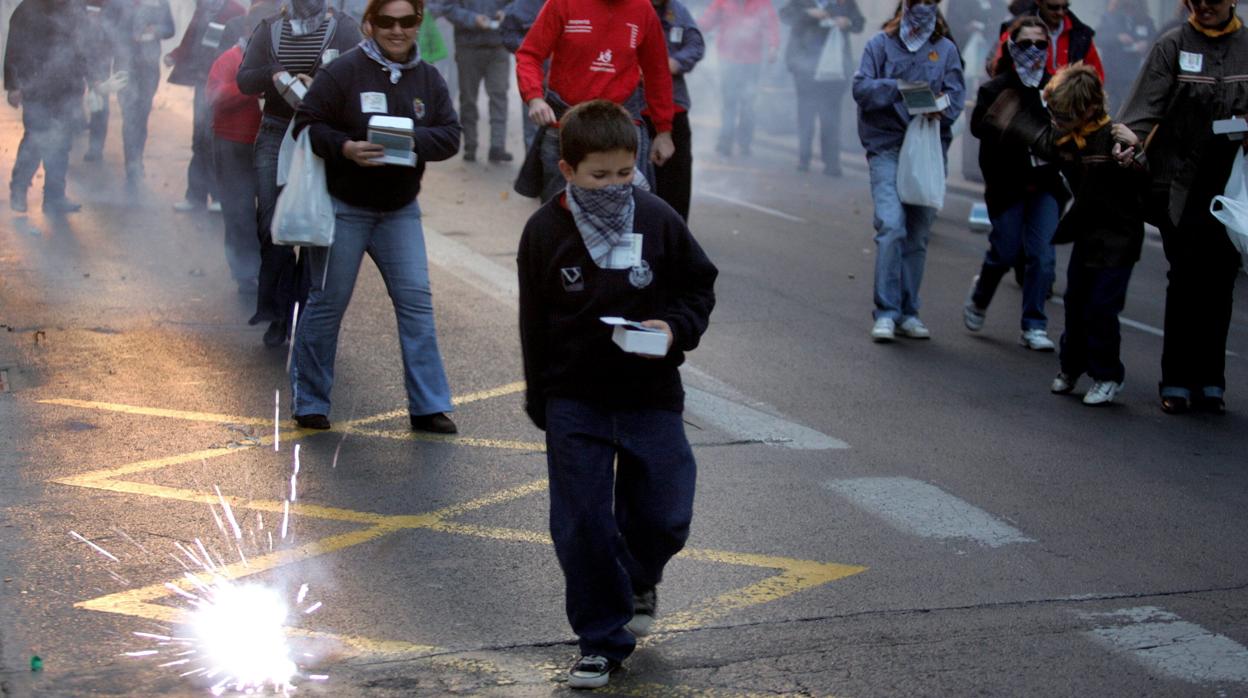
(645, 609)
(591, 671)
(312, 421)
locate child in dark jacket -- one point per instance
(1106, 224)
(620, 467)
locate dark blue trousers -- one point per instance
(621, 501)
(1094, 298)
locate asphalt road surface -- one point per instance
(921, 518)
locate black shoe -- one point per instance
(470, 156)
(1174, 404)
(437, 423)
(645, 608)
(591, 671)
(61, 205)
(500, 155)
(17, 200)
(1211, 402)
(93, 155)
(312, 421)
(275, 336)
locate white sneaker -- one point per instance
(591, 671)
(1063, 384)
(185, 206)
(1102, 393)
(884, 330)
(1036, 339)
(913, 328)
(973, 316)
(214, 207)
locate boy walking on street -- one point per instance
(620, 467)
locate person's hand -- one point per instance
(842, 23)
(15, 98)
(1126, 39)
(1124, 135)
(482, 22)
(673, 66)
(1123, 154)
(540, 112)
(305, 79)
(660, 325)
(363, 153)
(662, 148)
(817, 13)
(169, 60)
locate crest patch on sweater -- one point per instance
(573, 279)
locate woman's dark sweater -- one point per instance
(333, 113)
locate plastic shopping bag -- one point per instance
(1231, 208)
(921, 166)
(305, 212)
(831, 64)
(285, 153)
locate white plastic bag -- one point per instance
(921, 166)
(832, 59)
(305, 212)
(1231, 208)
(285, 153)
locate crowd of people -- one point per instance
(608, 150)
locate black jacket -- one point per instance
(260, 64)
(332, 110)
(46, 53)
(807, 37)
(567, 351)
(1004, 158)
(193, 58)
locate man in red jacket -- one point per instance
(748, 36)
(598, 49)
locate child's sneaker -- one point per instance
(884, 330)
(973, 316)
(1063, 384)
(591, 671)
(1036, 339)
(645, 608)
(913, 328)
(1102, 393)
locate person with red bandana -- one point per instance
(598, 49)
(1070, 40)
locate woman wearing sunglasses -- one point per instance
(914, 47)
(1195, 74)
(1023, 193)
(376, 209)
(296, 42)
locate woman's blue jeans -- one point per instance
(901, 233)
(1023, 232)
(396, 242)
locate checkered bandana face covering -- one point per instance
(917, 24)
(1028, 63)
(602, 216)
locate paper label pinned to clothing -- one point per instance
(1191, 62)
(625, 255)
(373, 102)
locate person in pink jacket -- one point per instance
(747, 37)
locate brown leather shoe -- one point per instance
(437, 423)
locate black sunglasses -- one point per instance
(1029, 43)
(388, 22)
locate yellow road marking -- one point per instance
(159, 412)
(509, 389)
(409, 435)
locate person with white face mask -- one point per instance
(914, 47)
(1023, 193)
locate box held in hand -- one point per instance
(394, 133)
(635, 338)
(291, 88)
(920, 99)
(1233, 128)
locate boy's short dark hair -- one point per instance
(596, 126)
(1074, 92)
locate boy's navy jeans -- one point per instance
(621, 501)
(1094, 298)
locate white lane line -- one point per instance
(922, 509)
(753, 207)
(1168, 645)
(724, 408)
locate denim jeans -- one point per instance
(1094, 298)
(901, 233)
(236, 174)
(396, 242)
(281, 282)
(621, 502)
(1024, 230)
(738, 87)
(201, 180)
(820, 100)
(136, 109)
(492, 66)
(46, 139)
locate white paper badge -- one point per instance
(627, 254)
(1191, 62)
(676, 35)
(328, 56)
(373, 102)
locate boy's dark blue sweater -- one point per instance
(333, 111)
(568, 352)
